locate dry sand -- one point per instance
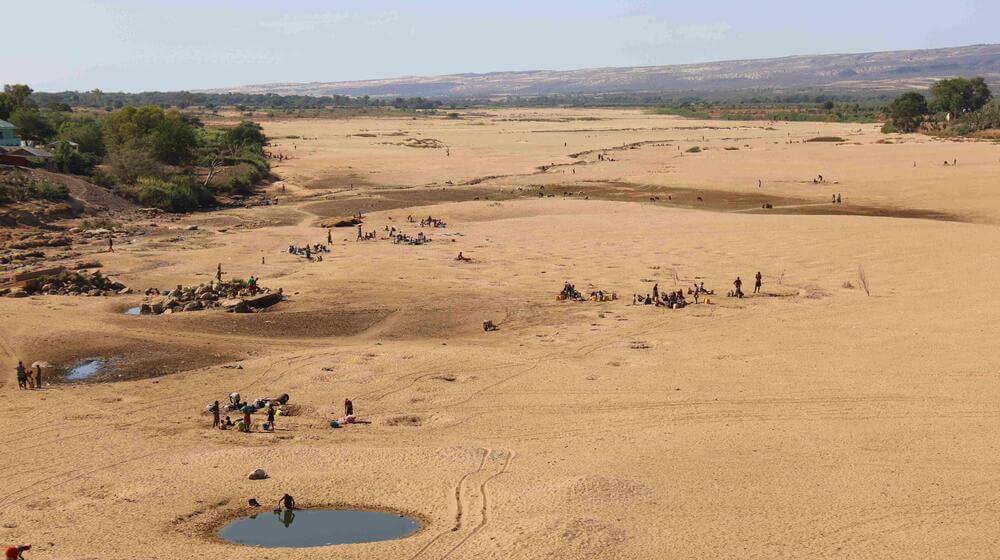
(811, 421)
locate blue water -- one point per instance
(85, 370)
(132, 311)
(318, 527)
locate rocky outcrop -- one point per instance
(233, 296)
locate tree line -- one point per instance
(157, 157)
(963, 105)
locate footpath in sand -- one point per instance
(808, 421)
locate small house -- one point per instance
(54, 146)
(8, 134)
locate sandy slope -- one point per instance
(810, 422)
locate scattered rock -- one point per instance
(257, 474)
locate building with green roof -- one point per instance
(8, 134)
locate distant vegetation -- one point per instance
(959, 106)
(161, 158)
(110, 101)
(790, 108)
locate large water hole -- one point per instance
(318, 527)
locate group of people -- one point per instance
(310, 251)
(569, 291)
(758, 282)
(272, 407)
(245, 424)
(27, 381)
(433, 222)
(673, 299)
(405, 238)
(835, 199)
(365, 236)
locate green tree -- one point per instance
(168, 136)
(130, 162)
(245, 134)
(960, 95)
(32, 125)
(71, 161)
(173, 139)
(907, 111)
(19, 94)
(14, 97)
(86, 132)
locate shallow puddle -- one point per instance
(85, 370)
(318, 527)
(132, 311)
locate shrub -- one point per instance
(179, 194)
(128, 163)
(18, 188)
(50, 191)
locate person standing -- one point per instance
(656, 291)
(111, 244)
(348, 407)
(215, 414)
(329, 237)
(22, 376)
(739, 287)
(38, 376)
(270, 416)
(757, 283)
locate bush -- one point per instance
(18, 188)
(100, 223)
(71, 161)
(128, 163)
(986, 118)
(179, 194)
(50, 191)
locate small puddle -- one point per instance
(318, 527)
(132, 310)
(85, 370)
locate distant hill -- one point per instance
(882, 71)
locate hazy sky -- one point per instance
(135, 45)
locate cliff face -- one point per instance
(887, 71)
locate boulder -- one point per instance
(263, 300)
(257, 474)
(192, 306)
(19, 293)
(230, 303)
